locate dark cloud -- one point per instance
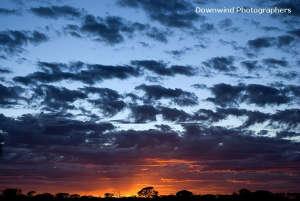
(158, 34)
(273, 62)
(109, 101)
(99, 72)
(261, 95)
(5, 11)
(204, 28)
(10, 95)
(199, 86)
(262, 42)
(208, 115)
(57, 98)
(77, 71)
(295, 32)
(4, 71)
(176, 14)
(14, 41)
(173, 114)
(251, 65)
(178, 96)
(49, 129)
(284, 134)
(44, 77)
(287, 75)
(253, 117)
(142, 140)
(108, 30)
(143, 113)
(225, 23)
(221, 63)
(113, 30)
(177, 54)
(225, 94)
(56, 11)
(91, 73)
(49, 139)
(266, 42)
(285, 40)
(290, 117)
(161, 68)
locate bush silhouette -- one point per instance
(148, 192)
(184, 194)
(108, 195)
(11, 193)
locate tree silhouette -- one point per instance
(184, 194)
(108, 195)
(148, 192)
(44, 197)
(11, 193)
(75, 196)
(62, 196)
(31, 193)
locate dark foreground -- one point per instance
(242, 195)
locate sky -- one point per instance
(115, 95)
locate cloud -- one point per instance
(260, 95)
(56, 11)
(4, 71)
(287, 119)
(9, 96)
(291, 117)
(266, 42)
(92, 73)
(158, 34)
(178, 96)
(57, 98)
(108, 30)
(113, 29)
(48, 130)
(273, 62)
(262, 42)
(5, 11)
(143, 113)
(287, 75)
(198, 153)
(146, 113)
(77, 71)
(161, 68)
(178, 14)
(173, 114)
(13, 41)
(177, 54)
(251, 65)
(225, 23)
(284, 134)
(295, 32)
(108, 100)
(221, 63)
(285, 40)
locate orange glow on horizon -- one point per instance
(167, 176)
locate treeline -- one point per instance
(149, 193)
